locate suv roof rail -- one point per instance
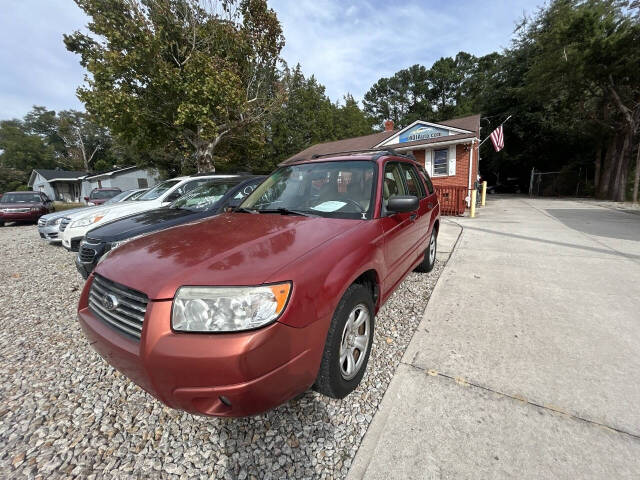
(376, 153)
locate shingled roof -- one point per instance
(65, 174)
(470, 123)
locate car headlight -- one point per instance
(54, 221)
(228, 309)
(85, 221)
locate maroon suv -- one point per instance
(23, 207)
(100, 195)
(236, 314)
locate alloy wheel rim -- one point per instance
(432, 249)
(355, 341)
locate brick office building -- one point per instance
(448, 150)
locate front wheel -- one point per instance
(348, 344)
(429, 255)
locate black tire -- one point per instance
(1, 224)
(429, 261)
(330, 380)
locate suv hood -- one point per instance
(229, 249)
(141, 223)
(64, 213)
(90, 210)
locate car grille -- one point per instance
(86, 254)
(16, 210)
(42, 222)
(127, 315)
(63, 223)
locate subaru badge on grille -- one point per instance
(110, 302)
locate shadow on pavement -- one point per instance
(606, 251)
(603, 223)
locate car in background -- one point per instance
(24, 206)
(74, 227)
(512, 185)
(204, 201)
(238, 313)
(98, 196)
(49, 225)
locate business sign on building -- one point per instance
(422, 132)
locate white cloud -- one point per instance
(349, 48)
(347, 45)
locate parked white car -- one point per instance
(49, 224)
(74, 227)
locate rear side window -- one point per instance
(414, 185)
(427, 180)
(187, 187)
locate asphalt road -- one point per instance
(527, 361)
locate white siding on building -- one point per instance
(40, 184)
(127, 180)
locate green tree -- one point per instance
(349, 120)
(584, 69)
(403, 98)
(306, 117)
(165, 74)
(21, 150)
(85, 142)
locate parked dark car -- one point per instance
(24, 206)
(512, 185)
(100, 195)
(202, 202)
(238, 313)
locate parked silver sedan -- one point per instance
(49, 225)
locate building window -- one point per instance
(440, 162)
(142, 183)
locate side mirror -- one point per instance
(403, 204)
(172, 197)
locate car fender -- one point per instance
(321, 277)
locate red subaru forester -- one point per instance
(236, 314)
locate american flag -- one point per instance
(497, 138)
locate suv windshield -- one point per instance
(21, 198)
(343, 189)
(102, 194)
(204, 196)
(158, 190)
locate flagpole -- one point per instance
(488, 136)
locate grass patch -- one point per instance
(60, 206)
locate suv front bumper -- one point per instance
(88, 256)
(228, 374)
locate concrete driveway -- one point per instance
(527, 361)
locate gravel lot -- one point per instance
(65, 413)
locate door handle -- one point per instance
(413, 216)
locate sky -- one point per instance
(347, 45)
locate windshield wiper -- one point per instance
(245, 210)
(286, 211)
